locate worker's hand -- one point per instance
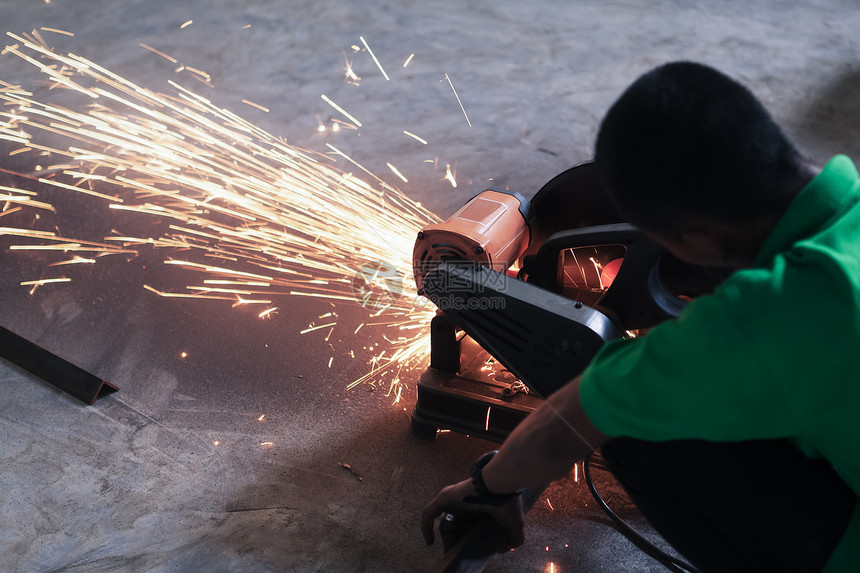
(452, 500)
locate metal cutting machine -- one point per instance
(527, 294)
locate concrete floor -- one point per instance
(136, 482)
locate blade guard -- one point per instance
(638, 296)
(543, 338)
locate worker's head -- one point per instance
(687, 151)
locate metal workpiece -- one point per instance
(52, 369)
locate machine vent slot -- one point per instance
(499, 326)
(424, 263)
(522, 328)
(448, 248)
(496, 342)
(449, 255)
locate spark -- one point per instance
(74, 261)
(56, 31)
(216, 443)
(449, 175)
(550, 504)
(487, 422)
(46, 281)
(65, 247)
(597, 270)
(242, 283)
(261, 418)
(267, 444)
(576, 473)
(256, 105)
(184, 295)
(340, 109)
(160, 53)
(458, 99)
(330, 360)
(239, 300)
(268, 312)
(415, 137)
(186, 24)
(349, 73)
(396, 172)
(20, 200)
(312, 328)
(183, 355)
(246, 26)
(372, 55)
(409, 59)
(200, 73)
(281, 221)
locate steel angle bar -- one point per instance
(52, 369)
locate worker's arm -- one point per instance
(541, 449)
(544, 446)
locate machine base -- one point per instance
(477, 401)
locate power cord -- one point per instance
(672, 563)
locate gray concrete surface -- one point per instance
(137, 482)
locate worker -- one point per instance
(736, 427)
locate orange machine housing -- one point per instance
(492, 229)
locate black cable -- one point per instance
(671, 562)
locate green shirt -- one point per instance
(774, 352)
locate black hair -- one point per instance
(684, 142)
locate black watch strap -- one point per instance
(483, 495)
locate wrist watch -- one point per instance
(485, 496)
